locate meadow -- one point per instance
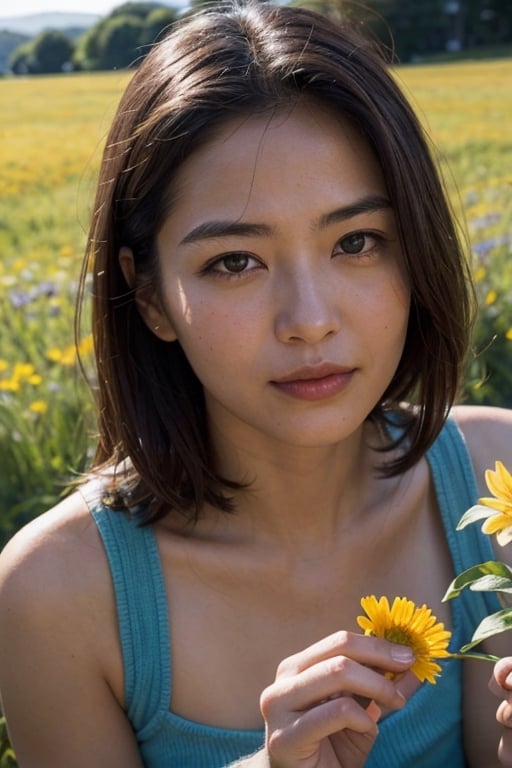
(52, 134)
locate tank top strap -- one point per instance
(456, 491)
(141, 608)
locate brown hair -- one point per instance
(215, 65)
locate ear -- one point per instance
(147, 301)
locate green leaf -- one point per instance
(492, 584)
(476, 574)
(491, 625)
(478, 512)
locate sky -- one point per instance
(27, 7)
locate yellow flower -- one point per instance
(19, 265)
(68, 356)
(86, 346)
(23, 371)
(54, 355)
(499, 482)
(491, 297)
(508, 334)
(66, 251)
(407, 624)
(9, 385)
(38, 406)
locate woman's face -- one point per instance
(281, 277)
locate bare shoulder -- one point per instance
(60, 660)
(488, 434)
(57, 550)
(55, 572)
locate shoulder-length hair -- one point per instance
(224, 62)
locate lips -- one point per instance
(316, 382)
(313, 372)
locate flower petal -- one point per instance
(406, 623)
(496, 523)
(504, 536)
(499, 504)
(499, 482)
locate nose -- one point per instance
(307, 310)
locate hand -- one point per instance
(322, 710)
(501, 685)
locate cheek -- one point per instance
(387, 321)
(387, 309)
(398, 305)
(210, 318)
(210, 335)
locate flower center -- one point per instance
(398, 635)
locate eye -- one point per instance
(359, 243)
(353, 243)
(232, 264)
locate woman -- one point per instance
(281, 314)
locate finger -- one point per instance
(302, 736)
(330, 679)
(352, 748)
(371, 651)
(505, 749)
(374, 711)
(501, 681)
(504, 714)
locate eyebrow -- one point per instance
(212, 229)
(368, 204)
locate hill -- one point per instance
(33, 24)
(9, 41)
(15, 30)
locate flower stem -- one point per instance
(475, 655)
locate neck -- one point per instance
(302, 498)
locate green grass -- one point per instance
(53, 129)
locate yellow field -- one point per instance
(52, 127)
(465, 102)
(52, 131)
(51, 137)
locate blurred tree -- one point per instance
(418, 28)
(49, 52)
(141, 10)
(157, 24)
(124, 36)
(21, 60)
(409, 29)
(119, 42)
(52, 50)
(86, 54)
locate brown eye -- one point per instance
(353, 243)
(232, 265)
(235, 262)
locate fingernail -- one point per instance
(402, 653)
(508, 681)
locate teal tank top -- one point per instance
(427, 733)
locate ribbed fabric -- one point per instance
(427, 733)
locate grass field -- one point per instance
(52, 133)
(51, 136)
